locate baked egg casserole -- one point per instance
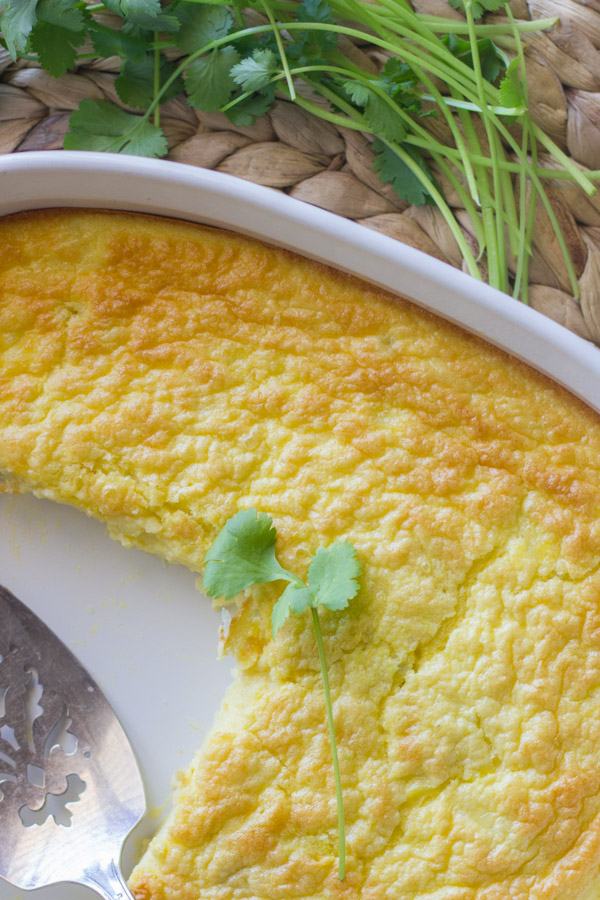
(161, 376)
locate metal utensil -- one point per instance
(70, 788)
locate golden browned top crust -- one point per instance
(161, 376)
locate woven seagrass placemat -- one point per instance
(331, 167)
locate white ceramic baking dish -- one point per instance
(140, 626)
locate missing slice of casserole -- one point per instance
(161, 376)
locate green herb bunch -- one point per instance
(471, 76)
(243, 554)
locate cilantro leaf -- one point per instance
(314, 11)
(249, 43)
(392, 170)
(135, 84)
(510, 90)
(311, 44)
(110, 42)
(56, 47)
(379, 116)
(493, 60)
(398, 75)
(247, 111)
(400, 83)
(147, 13)
(332, 575)
(242, 554)
(357, 92)
(55, 27)
(295, 599)
(381, 120)
(65, 13)
(16, 23)
(201, 24)
(100, 125)
(254, 73)
(208, 81)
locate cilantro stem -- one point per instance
(525, 215)
(237, 13)
(559, 235)
(466, 199)
(526, 212)
(281, 49)
(524, 285)
(582, 178)
(458, 138)
(495, 227)
(530, 168)
(508, 194)
(487, 213)
(156, 85)
(454, 102)
(446, 26)
(334, 752)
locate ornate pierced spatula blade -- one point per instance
(70, 788)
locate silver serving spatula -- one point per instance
(70, 788)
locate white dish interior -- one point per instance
(139, 626)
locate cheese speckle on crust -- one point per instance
(161, 376)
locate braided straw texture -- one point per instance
(314, 161)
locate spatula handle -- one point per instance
(107, 881)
